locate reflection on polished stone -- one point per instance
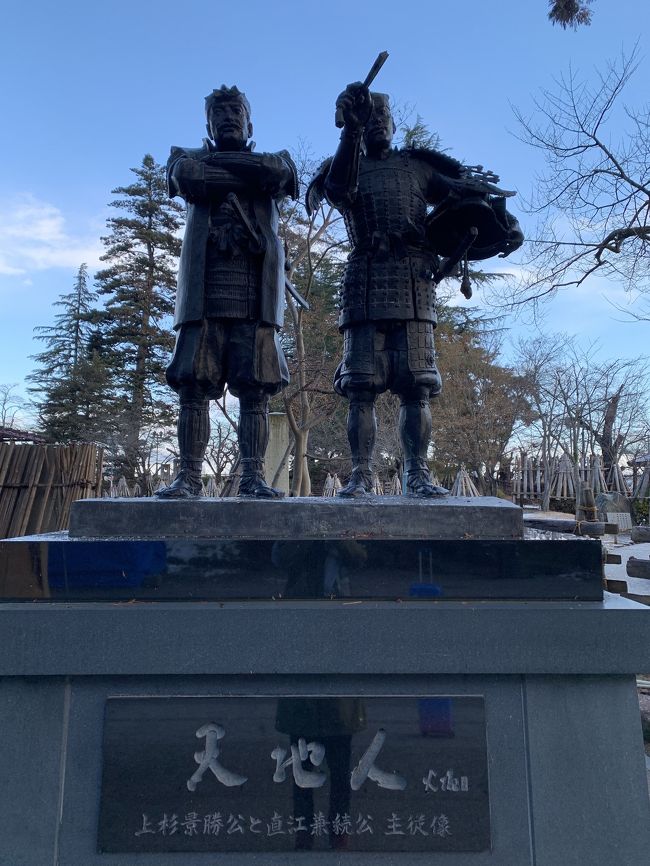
(54, 567)
(189, 774)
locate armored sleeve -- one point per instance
(185, 175)
(342, 181)
(271, 173)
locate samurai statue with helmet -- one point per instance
(413, 216)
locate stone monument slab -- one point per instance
(290, 773)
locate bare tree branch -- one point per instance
(593, 199)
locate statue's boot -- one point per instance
(419, 483)
(193, 434)
(186, 485)
(253, 483)
(359, 483)
(362, 430)
(253, 439)
(415, 433)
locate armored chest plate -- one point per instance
(233, 269)
(389, 273)
(390, 200)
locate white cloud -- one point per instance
(8, 270)
(34, 237)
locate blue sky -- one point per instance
(90, 88)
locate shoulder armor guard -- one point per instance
(440, 161)
(191, 152)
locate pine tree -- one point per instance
(482, 401)
(570, 13)
(418, 135)
(139, 281)
(71, 386)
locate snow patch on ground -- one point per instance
(623, 545)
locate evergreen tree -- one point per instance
(570, 13)
(70, 388)
(418, 135)
(482, 402)
(139, 281)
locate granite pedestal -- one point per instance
(298, 518)
(550, 683)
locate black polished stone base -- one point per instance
(55, 567)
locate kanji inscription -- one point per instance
(294, 773)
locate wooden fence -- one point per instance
(39, 483)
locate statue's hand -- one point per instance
(354, 105)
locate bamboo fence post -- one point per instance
(32, 477)
(40, 503)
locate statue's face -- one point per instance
(229, 125)
(380, 128)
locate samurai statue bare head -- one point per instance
(228, 113)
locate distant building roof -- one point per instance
(12, 434)
(644, 458)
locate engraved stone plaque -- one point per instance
(212, 774)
